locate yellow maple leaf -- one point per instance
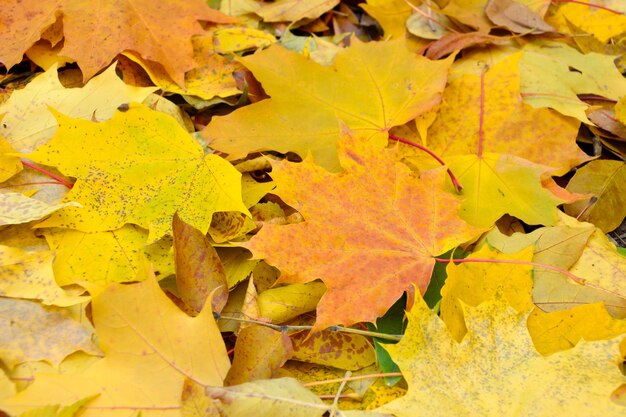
(553, 74)
(501, 149)
(496, 370)
(602, 23)
(28, 122)
(474, 282)
(391, 14)
(16, 264)
(32, 332)
(105, 257)
(268, 397)
(560, 330)
(469, 284)
(606, 180)
(150, 348)
(371, 87)
(9, 164)
(508, 125)
(495, 184)
(259, 353)
(139, 167)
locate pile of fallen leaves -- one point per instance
(312, 208)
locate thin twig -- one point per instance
(352, 378)
(286, 328)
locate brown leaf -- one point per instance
(259, 353)
(457, 41)
(516, 17)
(199, 270)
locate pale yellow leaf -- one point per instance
(269, 398)
(106, 257)
(32, 332)
(16, 208)
(496, 370)
(28, 123)
(29, 275)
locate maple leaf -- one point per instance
(282, 396)
(28, 122)
(496, 370)
(516, 16)
(560, 330)
(31, 332)
(105, 257)
(469, 284)
(16, 208)
(93, 36)
(150, 348)
(329, 348)
(22, 23)
(391, 14)
(603, 23)
(606, 180)
(508, 125)
(228, 40)
(286, 302)
(554, 74)
(496, 184)
(259, 353)
(9, 164)
(199, 271)
(387, 225)
(596, 270)
(604, 272)
(500, 149)
(470, 13)
(212, 77)
(139, 167)
(371, 87)
(30, 275)
(294, 10)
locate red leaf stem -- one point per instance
(457, 185)
(597, 6)
(47, 173)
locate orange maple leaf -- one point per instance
(369, 232)
(95, 33)
(371, 87)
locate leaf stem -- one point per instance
(351, 395)
(457, 185)
(352, 378)
(47, 173)
(482, 115)
(335, 405)
(597, 6)
(286, 328)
